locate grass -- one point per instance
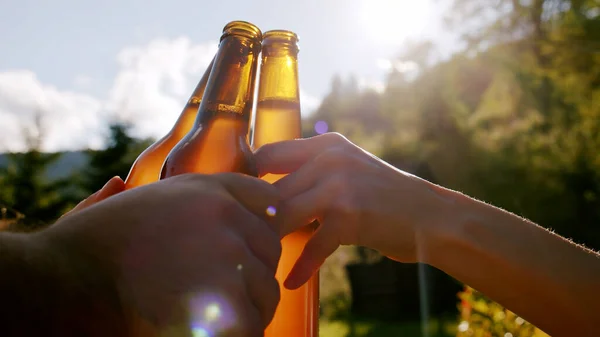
(362, 328)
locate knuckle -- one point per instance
(339, 185)
(189, 177)
(224, 176)
(335, 138)
(345, 207)
(225, 207)
(234, 248)
(334, 157)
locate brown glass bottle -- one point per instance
(147, 166)
(278, 118)
(218, 141)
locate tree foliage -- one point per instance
(115, 160)
(25, 192)
(514, 119)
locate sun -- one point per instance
(392, 21)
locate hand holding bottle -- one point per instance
(358, 199)
(165, 253)
(361, 200)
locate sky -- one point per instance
(82, 63)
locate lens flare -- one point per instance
(321, 127)
(271, 211)
(200, 332)
(211, 313)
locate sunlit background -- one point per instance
(81, 63)
(499, 99)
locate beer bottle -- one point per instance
(147, 166)
(278, 118)
(218, 141)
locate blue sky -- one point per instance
(82, 62)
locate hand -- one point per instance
(192, 250)
(358, 199)
(114, 186)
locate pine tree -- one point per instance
(115, 160)
(27, 194)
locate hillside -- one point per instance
(68, 163)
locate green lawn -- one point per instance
(360, 328)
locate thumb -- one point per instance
(114, 186)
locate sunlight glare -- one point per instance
(392, 21)
(212, 312)
(199, 332)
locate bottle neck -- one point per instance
(198, 92)
(190, 109)
(278, 114)
(230, 87)
(279, 73)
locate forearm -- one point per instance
(42, 295)
(542, 277)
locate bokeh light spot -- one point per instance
(212, 312)
(200, 332)
(321, 127)
(271, 211)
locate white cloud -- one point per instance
(155, 80)
(82, 80)
(308, 102)
(151, 85)
(67, 116)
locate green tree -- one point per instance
(514, 119)
(533, 130)
(115, 160)
(25, 188)
(480, 317)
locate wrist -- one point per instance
(440, 236)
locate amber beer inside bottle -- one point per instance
(218, 140)
(278, 118)
(147, 166)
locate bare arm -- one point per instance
(546, 279)
(361, 200)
